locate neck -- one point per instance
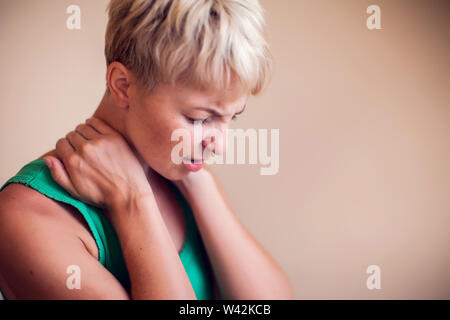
(114, 116)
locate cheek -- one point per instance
(147, 124)
(159, 137)
(185, 129)
(145, 132)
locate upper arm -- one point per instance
(36, 250)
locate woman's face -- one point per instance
(152, 118)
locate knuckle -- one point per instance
(98, 143)
(111, 143)
(115, 138)
(86, 148)
(73, 160)
(110, 138)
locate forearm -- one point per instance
(153, 263)
(243, 268)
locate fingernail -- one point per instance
(48, 162)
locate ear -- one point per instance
(119, 80)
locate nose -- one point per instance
(215, 143)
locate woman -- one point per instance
(109, 214)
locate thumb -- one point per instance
(59, 174)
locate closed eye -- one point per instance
(203, 121)
(215, 113)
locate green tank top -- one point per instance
(36, 175)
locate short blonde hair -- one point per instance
(200, 42)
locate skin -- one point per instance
(134, 127)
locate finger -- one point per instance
(87, 131)
(76, 139)
(60, 175)
(100, 126)
(63, 149)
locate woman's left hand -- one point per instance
(195, 181)
(97, 165)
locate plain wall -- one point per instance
(364, 123)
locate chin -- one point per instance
(176, 172)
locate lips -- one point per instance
(193, 164)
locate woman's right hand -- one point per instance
(97, 165)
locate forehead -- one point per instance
(229, 99)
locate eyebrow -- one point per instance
(218, 113)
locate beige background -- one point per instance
(364, 134)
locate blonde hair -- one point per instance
(200, 42)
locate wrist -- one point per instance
(196, 179)
(121, 201)
(194, 183)
(137, 212)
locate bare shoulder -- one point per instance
(16, 197)
(39, 239)
(22, 208)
